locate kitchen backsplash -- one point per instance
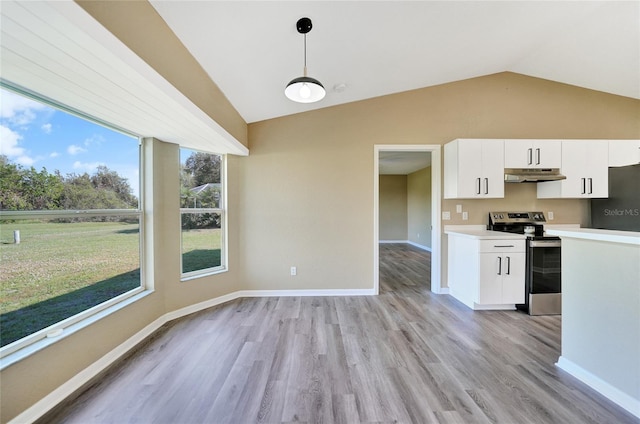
(518, 197)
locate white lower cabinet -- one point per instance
(501, 278)
(486, 274)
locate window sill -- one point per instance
(49, 336)
(189, 277)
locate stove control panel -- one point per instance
(516, 217)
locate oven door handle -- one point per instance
(545, 243)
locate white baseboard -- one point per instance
(45, 404)
(419, 246)
(607, 390)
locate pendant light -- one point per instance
(304, 89)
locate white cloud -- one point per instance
(46, 128)
(9, 147)
(18, 110)
(24, 160)
(54, 154)
(86, 166)
(9, 140)
(74, 150)
(94, 140)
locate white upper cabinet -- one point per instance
(585, 164)
(624, 152)
(474, 169)
(533, 154)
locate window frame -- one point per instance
(222, 210)
(38, 340)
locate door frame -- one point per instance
(436, 196)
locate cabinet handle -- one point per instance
(504, 245)
(538, 156)
(486, 186)
(508, 265)
(584, 185)
(499, 265)
(478, 185)
(590, 185)
(529, 156)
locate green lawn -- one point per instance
(201, 249)
(61, 269)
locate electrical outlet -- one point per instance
(446, 215)
(459, 208)
(465, 216)
(294, 270)
(550, 215)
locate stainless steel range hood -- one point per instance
(526, 175)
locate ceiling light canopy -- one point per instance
(304, 89)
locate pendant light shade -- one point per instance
(304, 89)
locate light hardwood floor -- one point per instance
(405, 356)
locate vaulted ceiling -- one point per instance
(361, 49)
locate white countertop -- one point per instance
(479, 232)
(614, 236)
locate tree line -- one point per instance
(29, 189)
(24, 189)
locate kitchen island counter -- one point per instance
(613, 236)
(601, 311)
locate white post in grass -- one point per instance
(16, 236)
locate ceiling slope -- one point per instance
(251, 49)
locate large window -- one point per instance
(202, 213)
(70, 219)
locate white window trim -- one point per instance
(26, 346)
(224, 266)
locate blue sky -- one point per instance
(33, 134)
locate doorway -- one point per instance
(435, 152)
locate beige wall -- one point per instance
(419, 207)
(392, 207)
(287, 177)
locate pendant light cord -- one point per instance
(305, 54)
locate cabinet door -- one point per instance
(513, 278)
(597, 170)
(490, 288)
(574, 168)
(624, 152)
(546, 154)
(492, 183)
(469, 168)
(518, 154)
(532, 154)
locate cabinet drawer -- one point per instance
(487, 246)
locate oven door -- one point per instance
(544, 277)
